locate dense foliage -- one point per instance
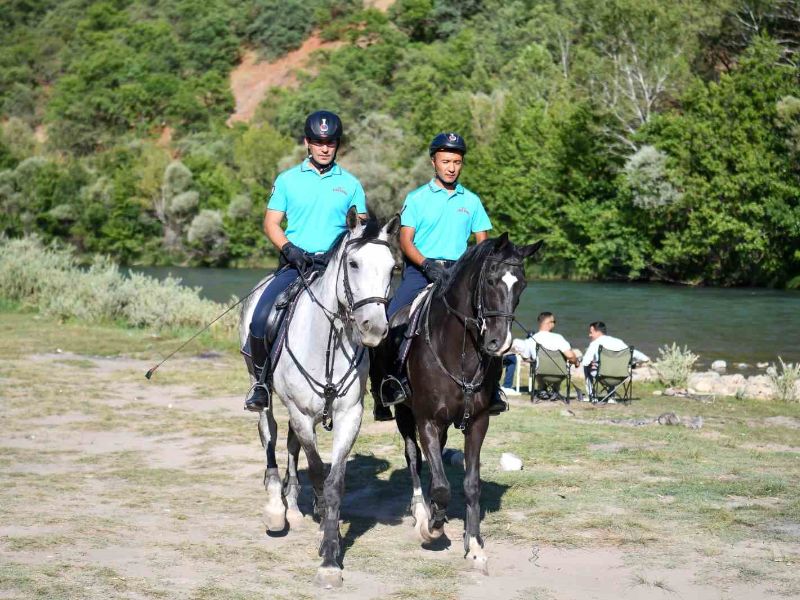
(640, 139)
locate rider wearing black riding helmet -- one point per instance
(437, 220)
(314, 198)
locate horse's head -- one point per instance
(366, 272)
(500, 284)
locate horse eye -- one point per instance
(491, 281)
(353, 264)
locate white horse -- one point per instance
(321, 375)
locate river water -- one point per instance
(740, 325)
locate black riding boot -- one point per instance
(260, 395)
(497, 405)
(379, 411)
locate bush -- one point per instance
(674, 365)
(785, 381)
(49, 279)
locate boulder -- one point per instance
(731, 385)
(510, 462)
(759, 386)
(645, 373)
(704, 382)
(719, 365)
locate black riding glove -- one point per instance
(295, 256)
(433, 270)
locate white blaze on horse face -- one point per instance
(509, 280)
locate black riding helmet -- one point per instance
(323, 126)
(448, 141)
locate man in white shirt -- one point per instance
(599, 337)
(546, 338)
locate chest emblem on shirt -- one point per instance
(341, 190)
(463, 210)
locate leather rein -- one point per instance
(329, 389)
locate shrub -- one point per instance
(49, 280)
(785, 380)
(674, 365)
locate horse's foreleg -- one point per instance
(473, 542)
(440, 487)
(274, 510)
(345, 429)
(408, 429)
(303, 428)
(291, 484)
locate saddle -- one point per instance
(277, 321)
(407, 322)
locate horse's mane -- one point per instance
(371, 231)
(474, 254)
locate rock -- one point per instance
(731, 385)
(772, 371)
(645, 373)
(676, 391)
(668, 418)
(762, 365)
(658, 393)
(450, 456)
(759, 386)
(719, 365)
(742, 366)
(510, 462)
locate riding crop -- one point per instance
(150, 372)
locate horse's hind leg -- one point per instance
(291, 484)
(440, 488)
(274, 510)
(473, 542)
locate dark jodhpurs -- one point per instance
(283, 279)
(413, 282)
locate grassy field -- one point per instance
(113, 486)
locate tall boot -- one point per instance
(260, 396)
(497, 405)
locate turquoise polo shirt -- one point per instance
(316, 205)
(443, 220)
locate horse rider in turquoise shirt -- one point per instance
(314, 197)
(436, 221)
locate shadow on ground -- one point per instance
(370, 499)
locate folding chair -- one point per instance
(614, 375)
(549, 370)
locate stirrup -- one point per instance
(397, 389)
(251, 404)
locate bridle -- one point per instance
(469, 388)
(478, 301)
(329, 389)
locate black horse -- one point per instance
(453, 366)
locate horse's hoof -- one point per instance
(275, 520)
(478, 558)
(295, 518)
(328, 578)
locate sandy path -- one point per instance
(135, 489)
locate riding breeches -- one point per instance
(283, 279)
(412, 284)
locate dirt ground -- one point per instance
(114, 486)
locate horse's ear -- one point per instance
(530, 250)
(502, 241)
(391, 228)
(352, 218)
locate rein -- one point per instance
(344, 315)
(469, 388)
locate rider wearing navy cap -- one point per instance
(314, 197)
(437, 220)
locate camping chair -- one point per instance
(614, 375)
(549, 370)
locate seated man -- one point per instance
(599, 337)
(546, 338)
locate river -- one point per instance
(739, 325)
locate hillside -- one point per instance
(641, 141)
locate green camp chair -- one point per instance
(548, 372)
(614, 377)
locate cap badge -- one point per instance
(323, 127)
(452, 137)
